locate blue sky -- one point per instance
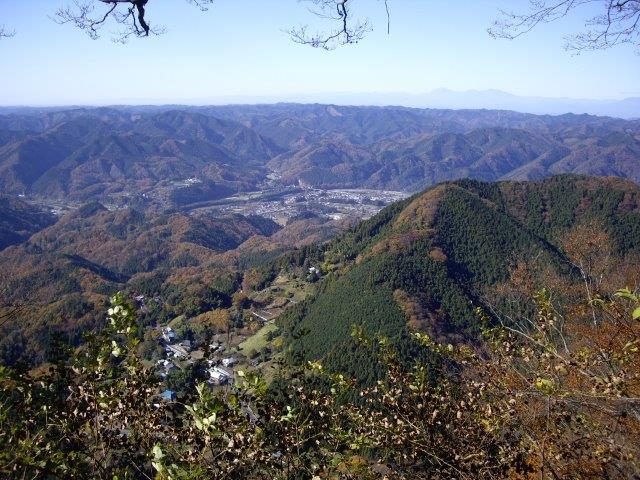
(238, 52)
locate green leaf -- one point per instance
(625, 293)
(157, 452)
(544, 386)
(636, 313)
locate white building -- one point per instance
(229, 362)
(177, 351)
(168, 334)
(220, 376)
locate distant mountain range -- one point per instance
(628, 108)
(441, 98)
(172, 156)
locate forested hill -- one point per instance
(62, 275)
(426, 263)
(174, 156)
(18, 220)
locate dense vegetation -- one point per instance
(63, 275)
(470, 331)
(423, 264)
(556, 399)
(427, 263)
(175, 264)
(18, 221)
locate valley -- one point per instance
(280, 204)
(289, 203)
(336, 250)
(193, 204)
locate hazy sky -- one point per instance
(237, 51)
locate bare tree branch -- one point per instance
(92, 15)
(11, 313)
(618, 23)
(386, 6)
(347, 31)
(131, 17)
(4, 33)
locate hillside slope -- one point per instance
(18, 220)
(63, 274)
(428, 262)
(182, 264)
(96, 153)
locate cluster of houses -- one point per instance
(173, 347)
(220, 370)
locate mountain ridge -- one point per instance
(427, 262)
(172, 157)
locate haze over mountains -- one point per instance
(492, 100)
(177, 156)
(441, 98)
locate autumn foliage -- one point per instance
(556, 398)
